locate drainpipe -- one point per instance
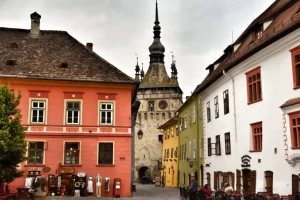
(134, 110)
(234, 107)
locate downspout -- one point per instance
(234, 107)
(134, 110)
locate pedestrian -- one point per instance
(207, 190)
(193, 188)
(228, 189)
(162, 181)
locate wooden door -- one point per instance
(216, 177)
(269, 181)
(202, 175)
(238, 180)
(295, 184)
(246, 182)
(172, 177)
(253, 182)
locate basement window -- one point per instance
(64, 65)
(11, 62)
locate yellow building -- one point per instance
(170, 152)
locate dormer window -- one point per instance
(257, 32)
(151, 105)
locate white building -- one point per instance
(253, 147)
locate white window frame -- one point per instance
(185, 121)
(27, 151)
(112, 110)
(194, 114)
(64, 150)
(79, 111)
(190, 150)
(194, 149)
(38, 108)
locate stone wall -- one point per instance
(148, 150)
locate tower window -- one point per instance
(151, 105)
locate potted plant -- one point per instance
(39, 188)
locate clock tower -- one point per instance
(160, 97)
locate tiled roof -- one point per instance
(291, 102)
(43, 58)
(286, 18)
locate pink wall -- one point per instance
(55, 132)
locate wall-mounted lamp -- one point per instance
(140, 134)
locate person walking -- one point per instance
(207, 190)
(193, 188)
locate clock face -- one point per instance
(163, 104)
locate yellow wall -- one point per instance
(170, 163)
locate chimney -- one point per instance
(35, 24)
(89, 46)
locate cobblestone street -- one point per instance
(143, 192)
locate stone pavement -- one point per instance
(143, 192)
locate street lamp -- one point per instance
(140, 134)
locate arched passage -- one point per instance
(142, 172)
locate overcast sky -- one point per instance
(197, 31)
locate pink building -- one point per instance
(76, 105)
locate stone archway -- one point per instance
(142, 172)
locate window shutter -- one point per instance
(238, 180)
(232, 178)
(294, 184)
(216, 180)
(253, 182)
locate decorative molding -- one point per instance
(293, 159)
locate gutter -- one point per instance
(234, 106)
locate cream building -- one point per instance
(160, 96)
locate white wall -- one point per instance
(277, 87)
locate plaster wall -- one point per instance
(277, 87)
(54, 132)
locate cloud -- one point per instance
(197, 31)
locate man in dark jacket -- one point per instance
(193, 188)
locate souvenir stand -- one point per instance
(67, 180)
(24, 193)
(80, 184)
(54, 185)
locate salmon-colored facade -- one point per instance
(55, 131)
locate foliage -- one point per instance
(12, 133)
(39, 183)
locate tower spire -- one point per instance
(137, 69)
(142, 72)
(156, 49)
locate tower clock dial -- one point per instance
(163, 104)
